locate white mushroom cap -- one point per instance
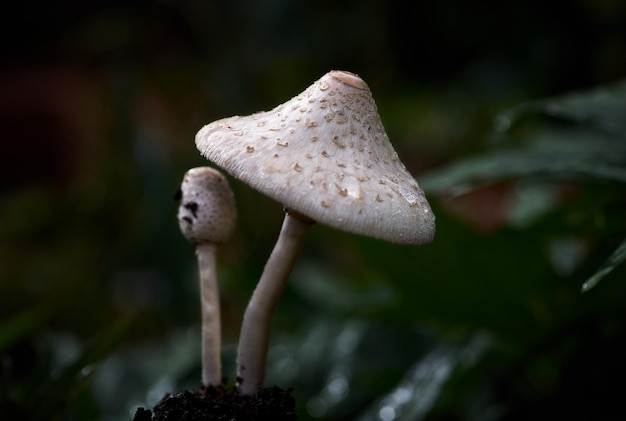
(207, 212)
(325, 154)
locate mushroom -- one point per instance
(207, 218)
(326, 157)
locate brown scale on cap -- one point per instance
(325, 154)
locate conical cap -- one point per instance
(325, 154)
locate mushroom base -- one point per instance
(220, 403)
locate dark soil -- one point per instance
(221, 404)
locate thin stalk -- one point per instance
(255, 329)
(210, 304)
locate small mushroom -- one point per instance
(326, 157)
(207, 217)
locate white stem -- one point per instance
(210, 302)
(255, 329)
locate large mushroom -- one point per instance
(207, 218)
(326, 157)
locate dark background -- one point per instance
(99, 105)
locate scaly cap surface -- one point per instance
(207, 212)
(325, 154)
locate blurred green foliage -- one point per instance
(510, 116)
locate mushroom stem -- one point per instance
(210, 304)
(255, 329)
(207, 216)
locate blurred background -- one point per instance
(511, 116)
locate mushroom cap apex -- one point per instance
(349, 78)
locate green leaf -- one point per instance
(583, 139)
(616, 258)
(416, 395)
(73, 378)
(552, 153)
(602, 109)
